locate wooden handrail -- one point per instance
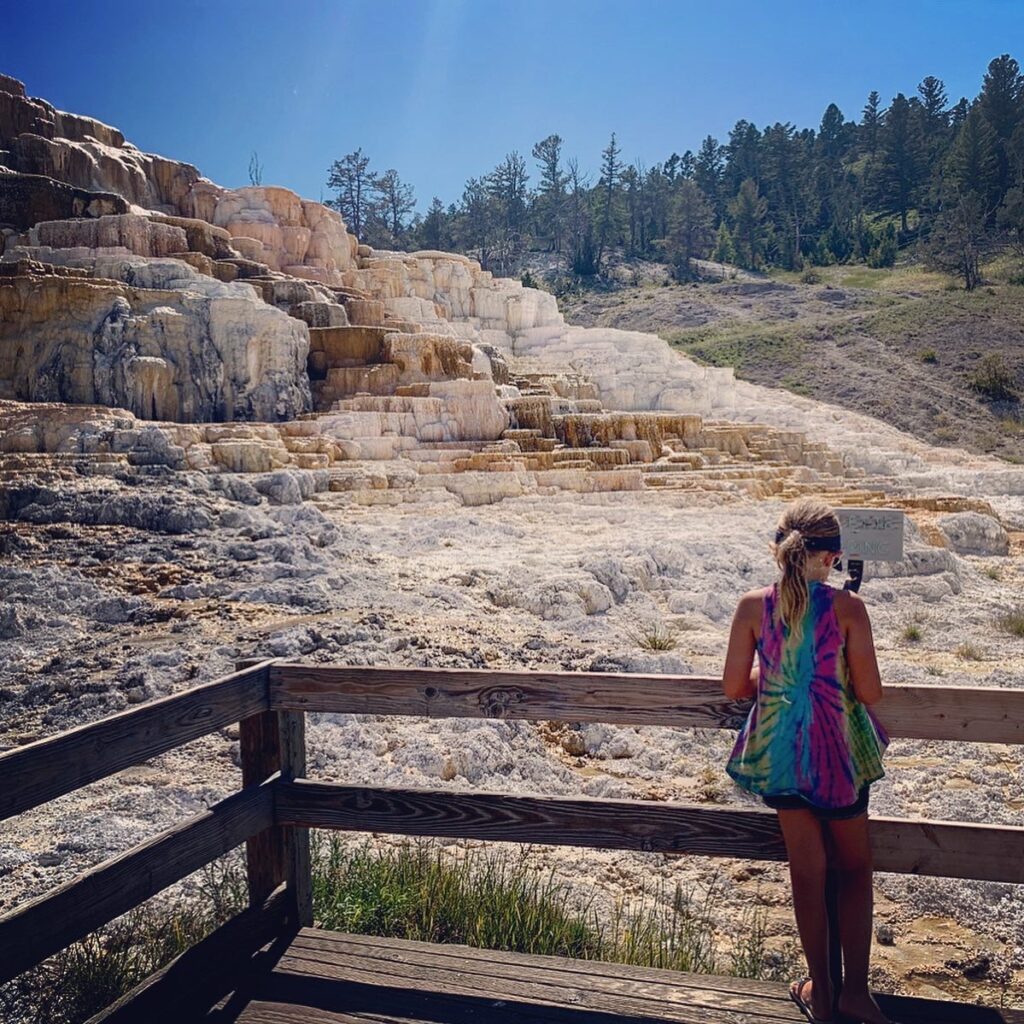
(969, 713)
(277, 805)
(48, 924)
(49, 768)
(906, 846)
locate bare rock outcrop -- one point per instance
(153, 337)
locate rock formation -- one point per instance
(131, 281)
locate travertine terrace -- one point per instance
(226, 428)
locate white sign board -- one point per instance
(871, 534)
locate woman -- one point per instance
(810, 747)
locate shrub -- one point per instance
(810, 276)
(994, 380)
(969, 652)
(912, 633)
(929, 356)
(1012, 621)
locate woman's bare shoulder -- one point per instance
(751, 603)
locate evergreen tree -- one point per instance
(1000, 100)
(582, 252)
(934, 101)
(708, 172)
(351, 179)
(787, 189)
(748, 212)
(434, 232)
(973, 157)
(550, 203)
(871, 122)
(509, 197)
(393, 202)
(743, 152)
(691, 233)
(1011, 217)
(725, 251)
(901, 168)
(608, 199)
(475, 225)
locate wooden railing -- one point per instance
(277, 804)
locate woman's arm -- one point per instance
(739, 678)
(860, 650)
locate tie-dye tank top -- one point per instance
(807, 734)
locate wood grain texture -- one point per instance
(327, 977)
(191, 983)
(49, 768)
(912, 846)
(40, 928)
(260, 754)
(976, 714)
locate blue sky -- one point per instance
(442, 89)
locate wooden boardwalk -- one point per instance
(266, 965)
(323, 977)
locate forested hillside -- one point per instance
(920, 170)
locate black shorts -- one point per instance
(798, 803)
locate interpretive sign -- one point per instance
(871, 534)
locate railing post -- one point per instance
(275, 741)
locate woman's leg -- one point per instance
(805, 847)
(852, 852)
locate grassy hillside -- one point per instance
(903, 344)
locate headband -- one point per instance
(833, 543)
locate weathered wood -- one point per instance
(913, 846)
(465, 693)
(336, 978)
(298, 868)
(49, 768)
(260, 750)
(49, 923)
(976, 714)
(383, 946)
(191, 983)
(275, 742)
(552, 976)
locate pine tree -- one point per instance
(708, 171)
(725, 251)
(608, 199)
(1002, 103)
(748, 212)
(550, 202)
(691, 233)
(393, 201)
(901, 168)
(350, 177)
(973, 157)
(434, 232)
(871, 122)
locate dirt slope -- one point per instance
(904, 349)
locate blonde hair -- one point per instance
(805, 520)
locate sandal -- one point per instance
(796, 994)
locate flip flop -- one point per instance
(795, 991)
